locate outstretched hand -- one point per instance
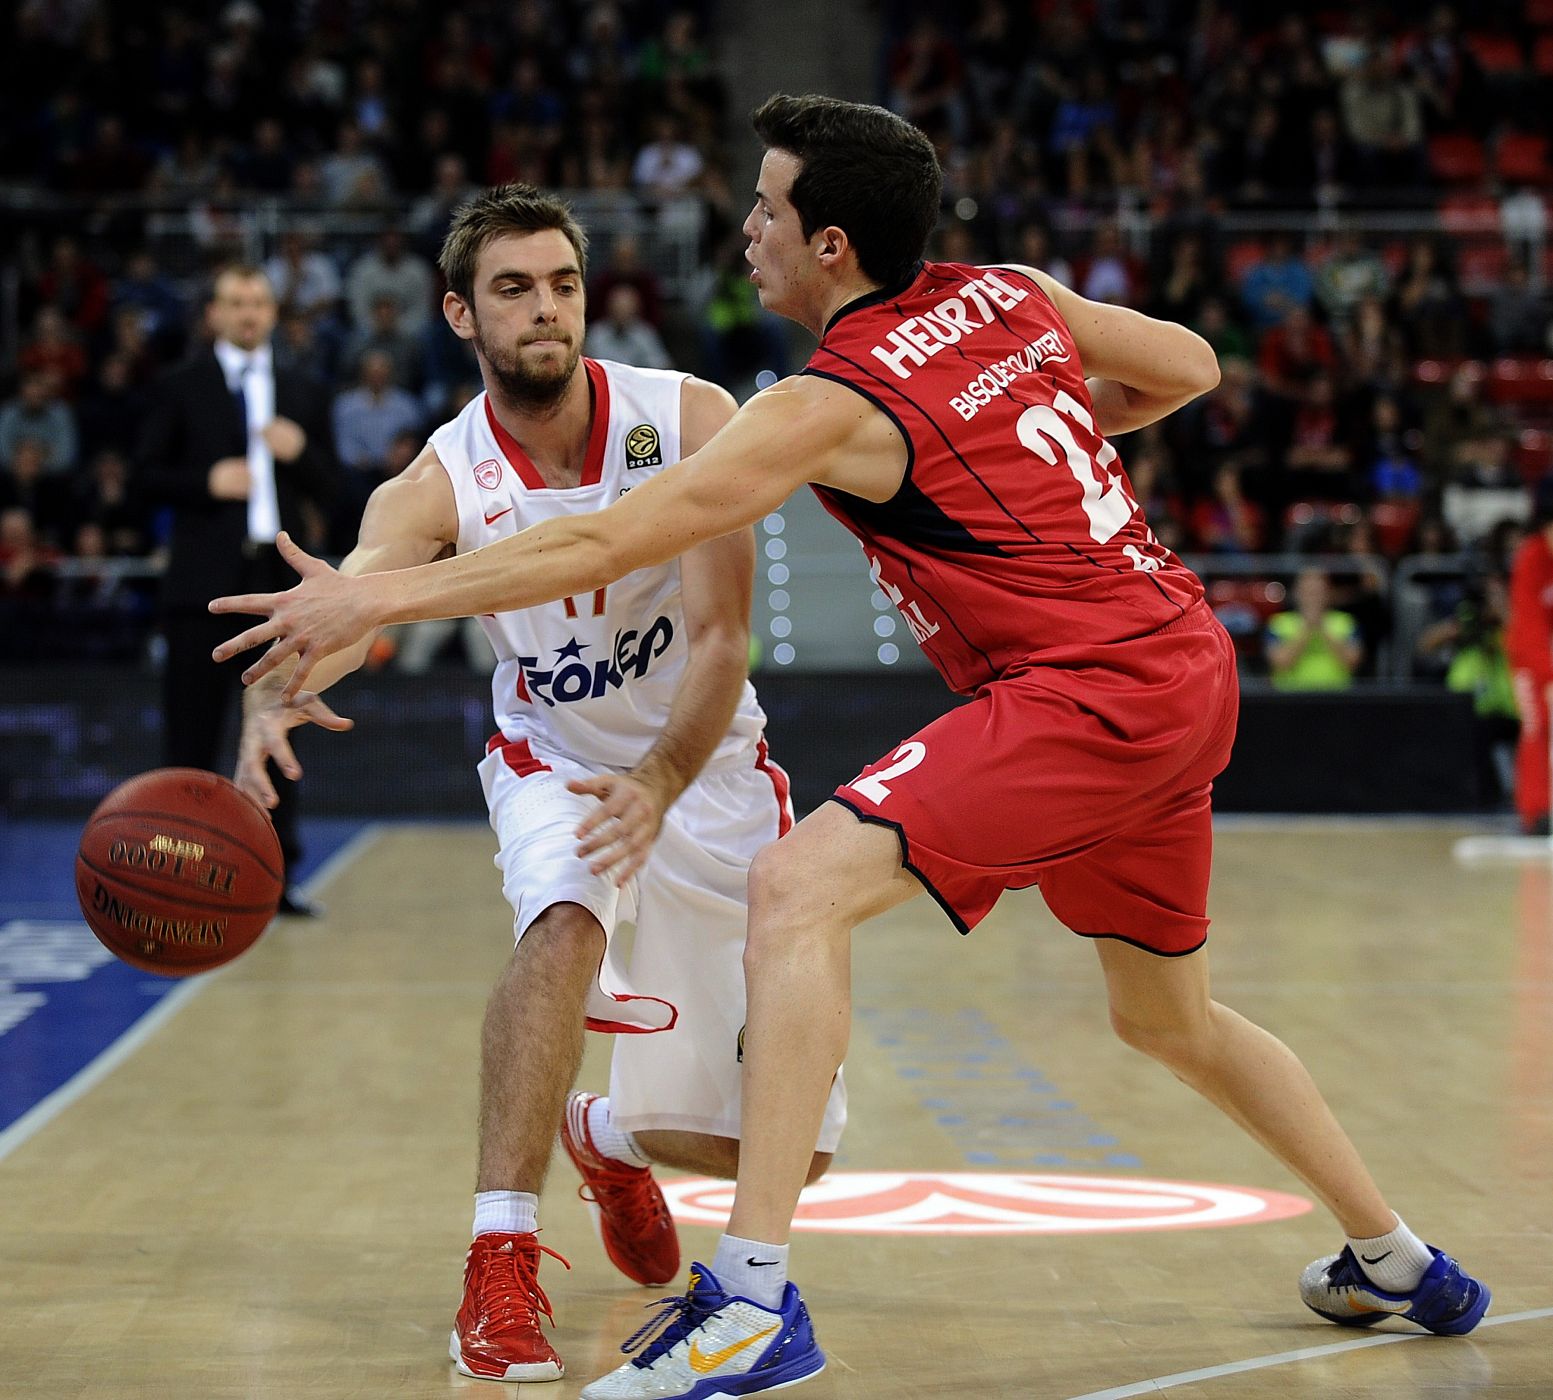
(266, 739)
(326, 612)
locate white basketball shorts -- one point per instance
(677, 998)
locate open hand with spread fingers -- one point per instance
(326, 612)
(267, 724)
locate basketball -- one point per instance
(178, 871)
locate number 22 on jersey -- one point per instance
(1043, 429)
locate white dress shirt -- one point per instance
(253, 372)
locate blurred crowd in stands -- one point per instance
(1350, 204)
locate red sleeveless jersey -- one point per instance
(1014, 538)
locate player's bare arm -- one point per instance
(408, 520)
(1140, 369)
(801, 430)
(716, 582)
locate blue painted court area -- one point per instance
(64, 999)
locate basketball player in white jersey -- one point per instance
(628, 778)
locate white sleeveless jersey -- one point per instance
(591, 677)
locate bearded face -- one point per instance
(534, 370)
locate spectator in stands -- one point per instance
(625, 267)
(1372, 349)
(106, 499)
(1384, 119)
(623, 334)
(1033, 248)
(1486, 462)
(1276, 284)
(269, 164)
(74, 284)
(1391, 465)
(1427, 305)
(1109, 273)
(1226, 522)
(353, 176)
(433, 211)
(1518, 314)
(1319, 461)
(382, 332)
(111, 410)
(1227, 425)
(668, 165)
(1214, 325)
(26, 585)
(38, 413)
(306, 281)
(1312, 646)
(367, 419)
(1180, 293)
(927, 78)
(390, 270)
(26, 485)
(1351, 273)
(1294, 353)
(1322, 169)
(55, 352)
(1448, 77)
(145, 288)
(1458, 416)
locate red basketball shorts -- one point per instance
(1088, 774)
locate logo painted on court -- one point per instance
(997, 1203)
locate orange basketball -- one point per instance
(178, 871)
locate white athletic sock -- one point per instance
(752, 1270)
(610, 1141)
(511, 1212)
(1394, 1262)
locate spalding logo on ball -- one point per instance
(179, 871)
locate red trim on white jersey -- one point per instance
(779, 783)
(517, 755)
(598, 433)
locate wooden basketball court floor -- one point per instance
(270, 1196)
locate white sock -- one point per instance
(752, 1270)
(1394, 1262)
(511, 1212)
(610, 1141)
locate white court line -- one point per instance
(91, 1075)
(1282, 1358)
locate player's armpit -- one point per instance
(410, 519)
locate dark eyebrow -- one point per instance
(761, 195)
(515, 275)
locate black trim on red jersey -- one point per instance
(933, 423)
(919, 587)
(873, 298)
(1133, 943)
(900, 835)
(884, 408)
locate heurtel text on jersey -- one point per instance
(570, 678)
(955, 317)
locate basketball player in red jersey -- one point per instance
(1529, 643)
(947, 421)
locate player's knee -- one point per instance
(774, 881)
(1179, 1046)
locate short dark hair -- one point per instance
(864, 170)
(240, 271)
(494, 212)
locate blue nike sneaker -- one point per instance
(710, 1343)
(1446, 1301)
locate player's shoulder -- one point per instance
(622, 375)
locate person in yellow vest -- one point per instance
(1313, 646)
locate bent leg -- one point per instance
(707, 1155)
(1162, 1006)
(807, 892)
(531, 1045)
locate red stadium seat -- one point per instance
(1457, 159)
(1522, 158)
(1542, 54)
(1533, 452)
(1497, 53)
(1242, 256)
(1482, 266)
(1468, 212)
(1539, 13)
(1394, 523)
(1521, 380)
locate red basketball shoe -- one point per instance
(632, 1217)
(496, 1335)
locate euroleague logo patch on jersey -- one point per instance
(488, 474)
(570, 677)
(643, 447)
(996, 1203)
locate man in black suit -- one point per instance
(236, 447)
